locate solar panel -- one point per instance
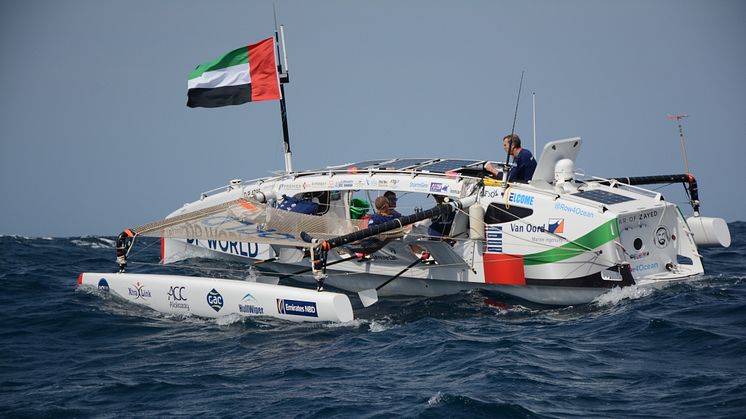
(603, 197)
(447, 165)
(402, 164)
(361, 165)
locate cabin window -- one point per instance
(498, 214)
(321, 199)
(683, 260)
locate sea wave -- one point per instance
(672, 352)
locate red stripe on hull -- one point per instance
(504, 269)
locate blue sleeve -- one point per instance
(524, 166)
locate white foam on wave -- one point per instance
(352, 323)
(377, 327)
(435, 399)
(616, 295)
(373, 325)
(229, 319)
(107, 243)
(15, 236)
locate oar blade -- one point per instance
(368, 297)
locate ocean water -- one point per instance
(670, 353)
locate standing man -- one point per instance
(525, 164)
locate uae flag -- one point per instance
(247, 74)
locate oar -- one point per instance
(310, 269)
(370, 296)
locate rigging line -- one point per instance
(515, 116)
(341, 273)
(190, 216)
(665, 185)
(195, 267)
(140, 248)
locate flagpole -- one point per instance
(284, 78)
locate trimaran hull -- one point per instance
(212, 298)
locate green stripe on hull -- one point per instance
(235, 57)
(602, 234)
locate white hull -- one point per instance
(212, 298)
(552, 241)
(407, 286)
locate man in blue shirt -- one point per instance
(383, 212)
(524, 161)
(391, 196)
(440, 225)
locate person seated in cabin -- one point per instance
(304, 205)
(436, 228)
(391, 196)
(383, 212)
(524, 161)
(440, 226)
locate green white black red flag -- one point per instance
(247, 74)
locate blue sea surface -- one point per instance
(670, 353)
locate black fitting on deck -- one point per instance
(690, 183)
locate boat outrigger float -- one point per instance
(558, 239)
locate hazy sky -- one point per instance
(95, 135)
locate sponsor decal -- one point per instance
(556, 225)
(248, 307)
(527, 228)
(419, 185)
(573, 210)
(103, 285)
(176, 298)
(290, 186)
(296, 307)
(662, 237)
(491, 193)
(388, 183)
(215, 300)
(645, 267)
(638, 256)
(548, 240)
(139, 291)
(522, 199)
(344, 184)
(438, 187)
(233, 247)
(494, 238)
(239, 231)
(638, 217)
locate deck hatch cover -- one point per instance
(603, 197)
(447, 165)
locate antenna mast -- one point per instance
(512, 132)
(678, 119)
(533, 117)
(284, 78)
